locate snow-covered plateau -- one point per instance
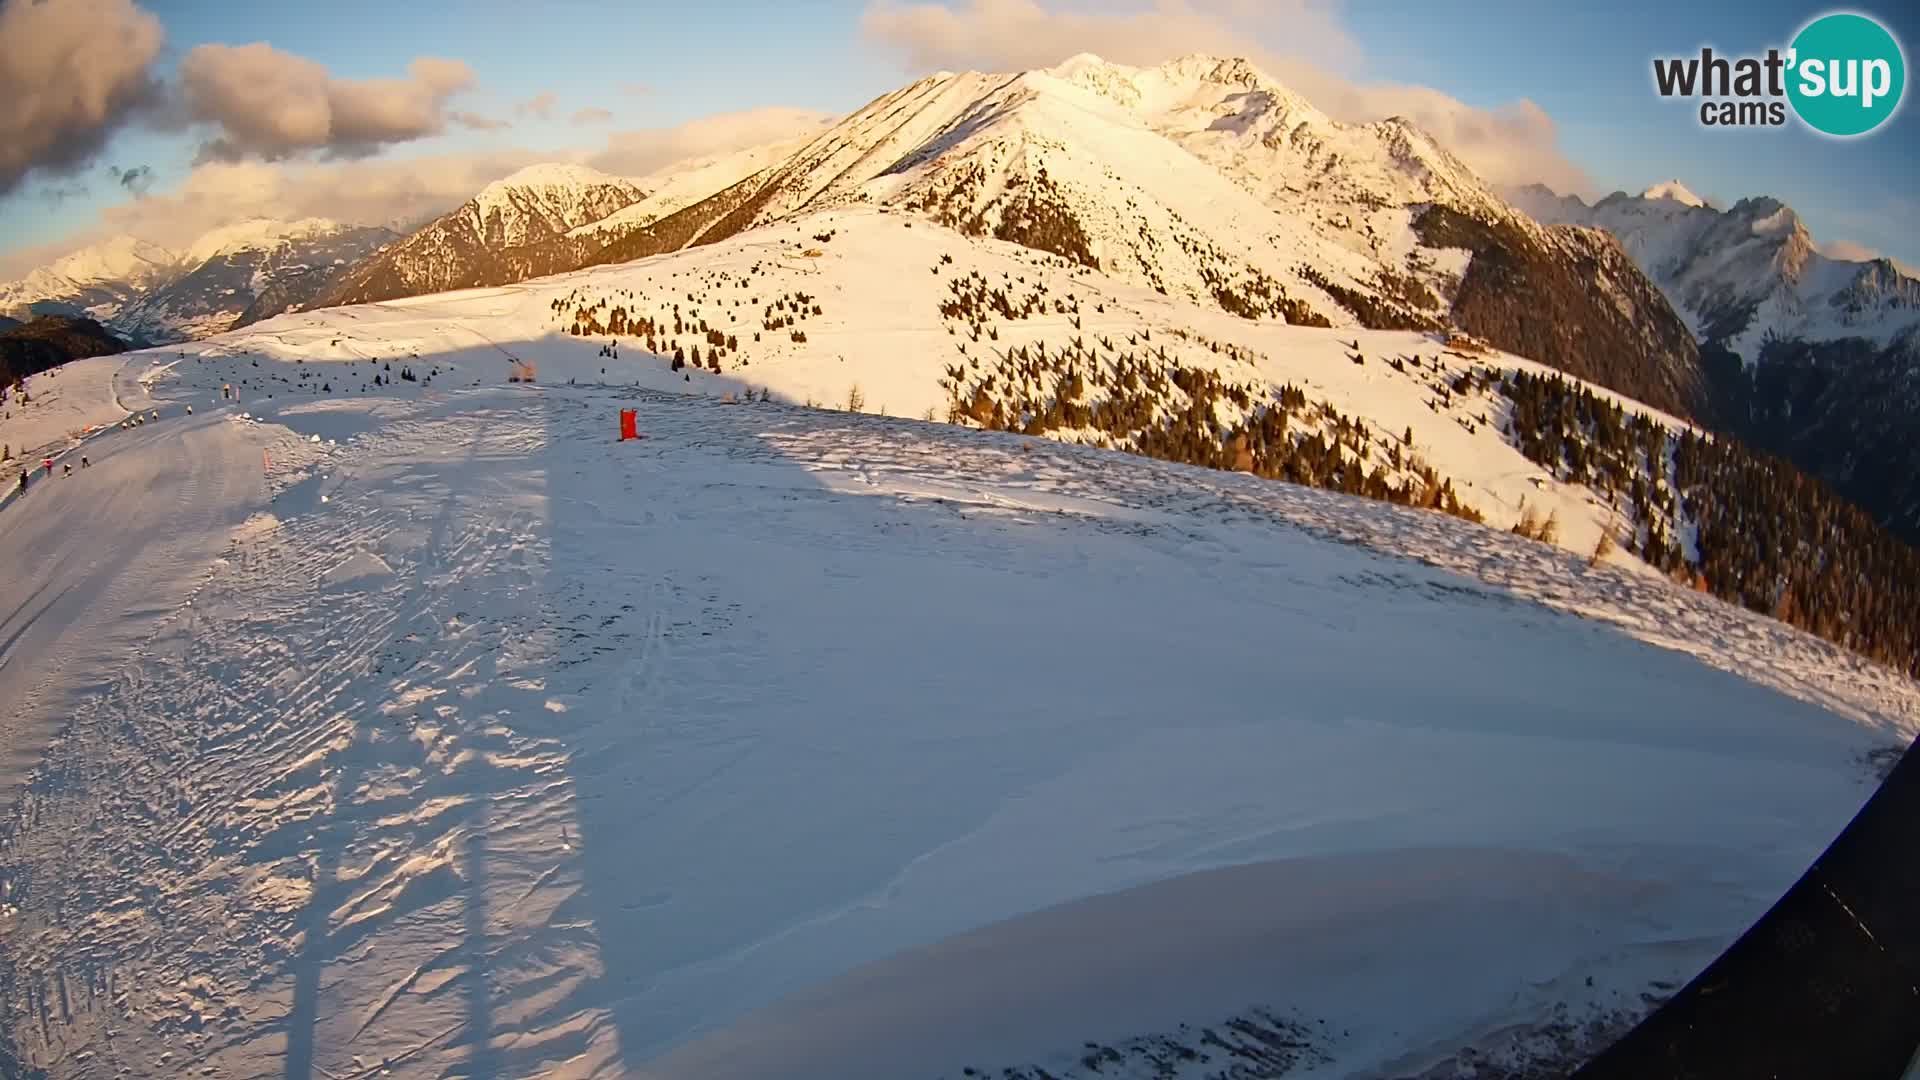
(419, 727)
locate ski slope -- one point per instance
(95, 561)
(62, 405)
(429, 731)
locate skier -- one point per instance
(47, 464)
(66, 468)
(24, 473)
(189, 410)
(84, 463)
(156, 414)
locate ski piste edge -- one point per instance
(1824, 986)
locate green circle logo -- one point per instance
(1847, 74)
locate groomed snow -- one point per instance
(635, 740)
(62, 406)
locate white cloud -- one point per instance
(1009, 35)
(386, 191)
(72, 72)
(380, 191)
(273, 104)
(1848, 250)
(477, 122)
(540, 105)
(589, 116)
(1300, 42)
(637, 153)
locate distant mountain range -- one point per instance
(49, 341)
(485, 241)
(151, 295)
(545, 219)
(1814, 358)
(1744, 275)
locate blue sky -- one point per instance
(1588, 66)
(1585, 65)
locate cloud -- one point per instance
(591, 116)
(636, 89)
(1012, 35)
(639, 152)
(136, 179)
(540, 105)
(57, 193)
(477, 122)
(1516, 143)
(388, 190)
(1848, 251)
(1893, 220)
(72, 72)
(378, 191)
(1513, 144)
(272, 104)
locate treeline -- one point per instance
(1765, 535)
(1152, 404)
(49, 341)
(661, 333)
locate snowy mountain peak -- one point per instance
(555, 174)
(94, 280)
(1744, 274)
(1192, 82)
(256, 234)
(545, 200)
(1675, 190)
(116, 257)
(482, 239)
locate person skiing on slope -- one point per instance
(84, 463)
(47, 464)
(66, 468)
(24, 473)
(189, 410)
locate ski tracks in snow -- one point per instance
(460, 759)
(300, 769)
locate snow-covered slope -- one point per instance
(911, 315)
(1170, 177)
(1747, 273)
(476, 242)
(61, 405)
(1203, 179)
(95, 281)
(431, 731)
(545, 200)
